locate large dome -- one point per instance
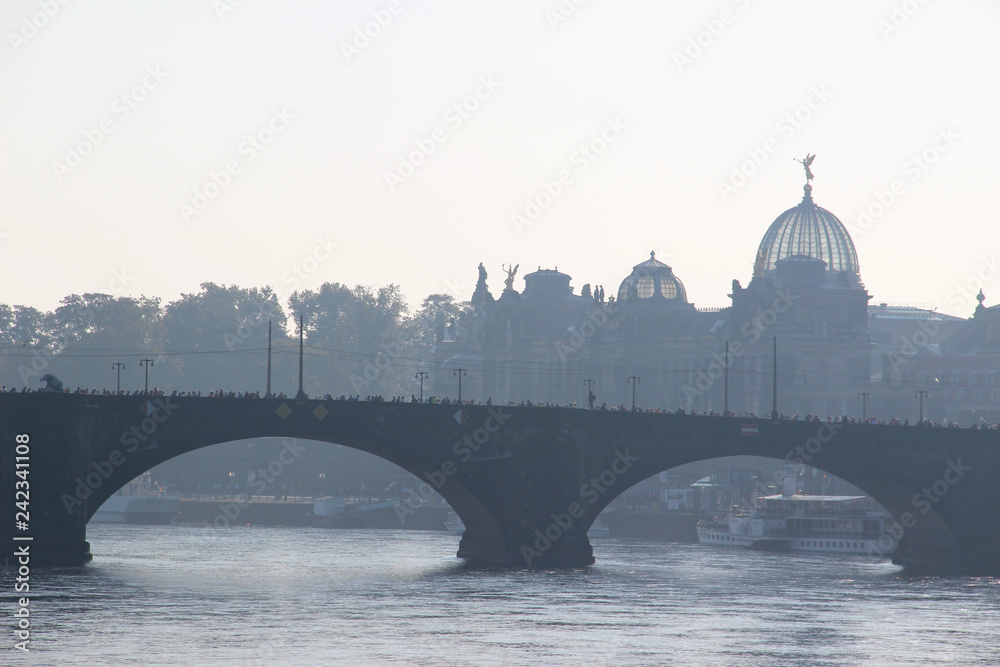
(652, 282)
(805, 232)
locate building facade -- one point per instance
(803, 326)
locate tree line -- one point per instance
(359, 340)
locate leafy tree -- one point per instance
(357, 339)
(437, 314)
(22, 337)
(215, 339)
(88, 332)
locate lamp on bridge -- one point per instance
(421, 375)
(634, 379)
(459, 372)
(147, 363)
(302, 327)
(119, 365)
(864, 396)
(921, 395)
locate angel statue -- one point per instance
(806, 163)
(509, 282)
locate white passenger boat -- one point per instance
(797, 522)
(139, 502)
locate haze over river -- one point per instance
(179, 595)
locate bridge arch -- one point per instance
(903, 506)
(286, 453)
(527, 481)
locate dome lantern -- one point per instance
(652, 281)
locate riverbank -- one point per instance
(234, 510)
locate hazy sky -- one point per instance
(147, 147)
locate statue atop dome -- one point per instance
(806, 163)
(808, 231)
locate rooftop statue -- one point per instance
(806, 163)
(509, 282)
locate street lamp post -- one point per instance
(459, 372)
(921, 394)
(725, 384)
(634, 379)
(302, 327)
(864, 396)
(267, 388)
(774, 380)
(147, 363)
(118, 365)
(421, 375)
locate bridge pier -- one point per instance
(535, 551)
(58, 552)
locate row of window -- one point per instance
(808, 544)
(831, 544)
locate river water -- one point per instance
(185, 595)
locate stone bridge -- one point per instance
(526, 481)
